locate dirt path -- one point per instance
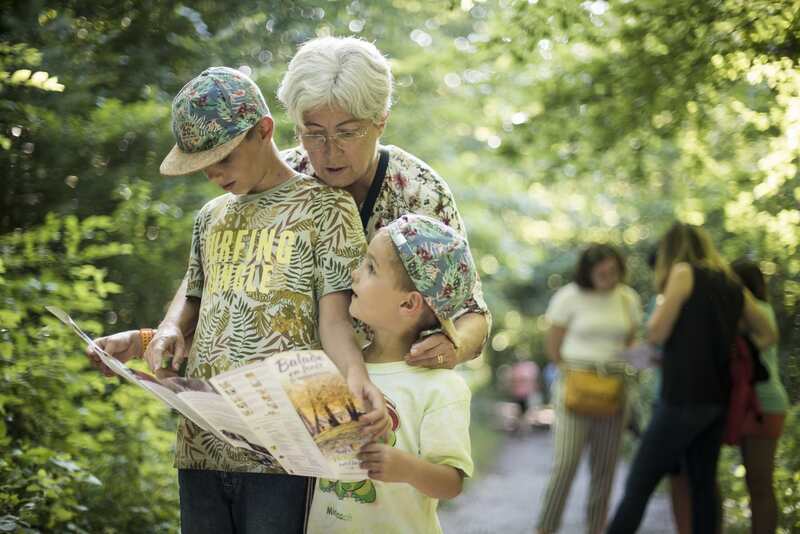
(507, 499)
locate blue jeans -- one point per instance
(219, 502)
(692, 433)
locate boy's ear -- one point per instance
(266, 127)
(413, 304)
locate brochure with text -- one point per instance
(293, 408)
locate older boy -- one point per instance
(268, 271)
(416, 275)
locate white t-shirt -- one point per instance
(597, 323)
(430, 418)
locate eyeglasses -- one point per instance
(342, 139)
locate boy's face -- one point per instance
(241, 172)
(377, 298)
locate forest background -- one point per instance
(555, 124)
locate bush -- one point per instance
(79, 452)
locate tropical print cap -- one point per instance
(210, 117)
(439, 263)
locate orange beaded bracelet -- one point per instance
(146, 335)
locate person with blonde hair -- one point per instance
(701, 306)
(338, 93)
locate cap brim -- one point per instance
(178, 162)
(449, 328)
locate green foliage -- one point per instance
(39, 79)
(566, 123)
(555, 123)
(74, 441)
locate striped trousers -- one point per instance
(574, 433)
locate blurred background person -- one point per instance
(647, 358)
(695, 322)
(519, 384)
(760, 440)
(593, 319)
(525, 385)
(523, 389)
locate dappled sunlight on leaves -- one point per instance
(554, 124)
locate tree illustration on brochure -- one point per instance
(323, 402)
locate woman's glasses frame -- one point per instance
(342, 138)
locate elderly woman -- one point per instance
(338, 92)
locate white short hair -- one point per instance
(345, 72)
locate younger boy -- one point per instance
(416, 275)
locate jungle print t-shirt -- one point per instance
(260, 263)
(411, 186)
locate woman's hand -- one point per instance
(122, 346)
(435, 352)
(642, 355)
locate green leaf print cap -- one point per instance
(439, 263)
(210, 117)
